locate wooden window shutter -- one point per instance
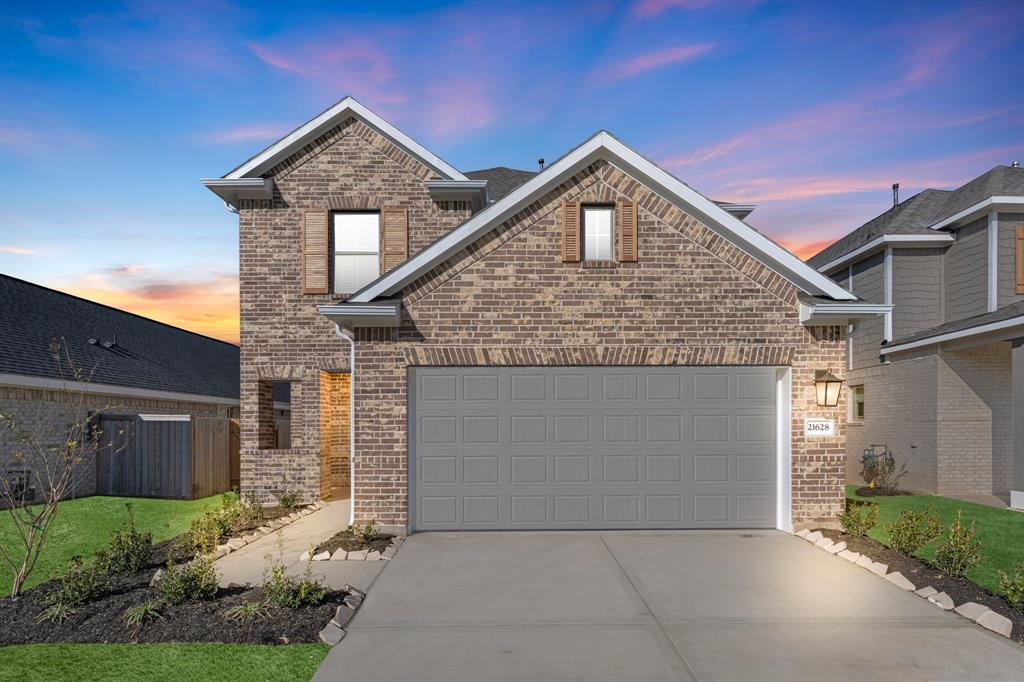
(570, 231)
(315, 251)
(625, 218)
(394, 237)
(1020, 258)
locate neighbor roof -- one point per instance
(145, 354)
(604, 145)
(920, 213)
(500, 179)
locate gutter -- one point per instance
(827, 314)
(978, 330)
(354, 315)
(351, 424)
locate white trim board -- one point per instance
(604, 145)
(989, 328)
(325, 121)
(877, 244)
(784, 450)
(995, 202)
(48, 384)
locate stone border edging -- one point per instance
(982, 615)
(359, 555)
(337, 627)
(235, 544)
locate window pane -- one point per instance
(597, 233)
(357, 232)
(353, 272)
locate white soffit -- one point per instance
(603, 145)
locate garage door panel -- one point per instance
(494, 448)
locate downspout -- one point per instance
(351, 423)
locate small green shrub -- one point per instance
(288, 499)
(129, 549)
(913, 529)
(252, 510)
(859, 517)
(58, 612)
(205, 532)
(1012, 586)
(150, 609)
(81, 584)
(959, 552)
(280, 589)
(247, 612)
(192, 581)
(367, 533)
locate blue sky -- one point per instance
(111, 112)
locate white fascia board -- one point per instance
(231, 190)
(381, 314)
(605, 146)
(474, 191)
(323, 122)
(840, 313)
(994, 202)
(879, 243)
(49, 384)
(989, 328)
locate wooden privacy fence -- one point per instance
(170, 456)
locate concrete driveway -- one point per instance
(651, 606)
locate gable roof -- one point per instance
(925, 212)
(324, 121)
(604, 145)
(146, 354)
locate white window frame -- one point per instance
(596, 208)
(336, 251)
(853, 403)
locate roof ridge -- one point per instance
(117, 310)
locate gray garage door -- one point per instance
(592, 447)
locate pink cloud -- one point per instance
(18, 250)
(25, 140)
(645, 9)
(458, 107)
(245, 133)
(650, 60)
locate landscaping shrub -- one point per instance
(1012, 586)
(247, 612)
(280, 589)
(288, 499)
(129, 549)
(82, 583)
(140, 613)
(193, 581)
(204, 533)
(367, 533)
(913, 529)
(959, 552)
(859, 517)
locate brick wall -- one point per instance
(46, 413)
(334, 431)
(282, 335)
(691, 299)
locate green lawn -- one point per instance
(85, 524)
(170, 662)
(1000, 531)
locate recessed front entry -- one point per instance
(592, 447)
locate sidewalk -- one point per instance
(247, 564)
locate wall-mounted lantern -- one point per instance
(826, 387)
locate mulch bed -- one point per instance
(960, 590)
(348, 541)
(879, 492)
(101, 620)
(242, 527)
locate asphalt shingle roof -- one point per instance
(500, 179)
(916, 214)
(1007, 312)
(147, 354)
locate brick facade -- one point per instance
(40, 411)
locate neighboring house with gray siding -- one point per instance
(940, 379)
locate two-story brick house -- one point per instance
(940, 379)
(596, 345)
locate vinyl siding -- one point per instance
(1007, 258)
(916, 290)
(967, 272)
(869, 284)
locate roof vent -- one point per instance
(1015, 164)
(540, 162)
(895, 193)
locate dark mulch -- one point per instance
(102, 620)
(348, 541)
(960, 590)
(879, 492)
(243, 527)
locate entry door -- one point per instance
(592, 447)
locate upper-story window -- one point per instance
(356, 250)
(598, 227)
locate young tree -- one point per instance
(54, 462)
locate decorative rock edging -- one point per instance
(982, 615)
(235, 544)
(337, 627)
(358, 555)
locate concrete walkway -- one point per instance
(248, 564)
(650, 606)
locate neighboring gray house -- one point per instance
(940, 379)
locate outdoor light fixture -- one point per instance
(826, 387)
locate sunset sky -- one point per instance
(111, 112)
